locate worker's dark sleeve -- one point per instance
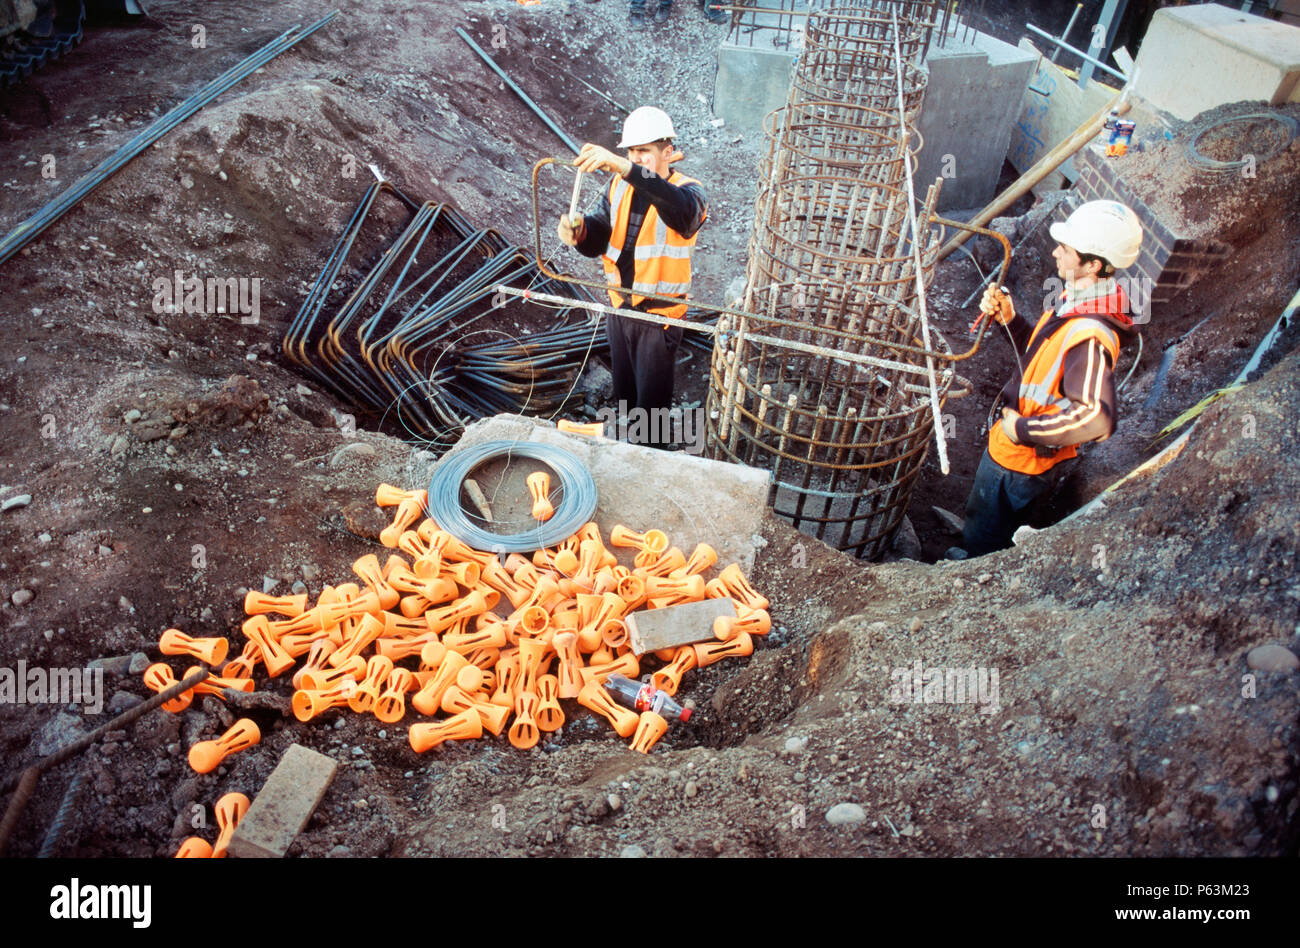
(1021, 329)
(595, 229)
(1089, 384)
(682, 208)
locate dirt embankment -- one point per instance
(172, 461)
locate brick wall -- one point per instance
(1169, 261)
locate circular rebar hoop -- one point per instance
(832, 259)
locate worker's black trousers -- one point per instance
(642, 359)
(1000, 501)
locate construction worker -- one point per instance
(1064, 390)
(643, 229)
(636, 12)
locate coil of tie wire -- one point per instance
(576, 492)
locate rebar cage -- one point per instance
(833, 264)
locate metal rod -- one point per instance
(1068, 48)
(1065, 35)
(537, 110)
(25, 232)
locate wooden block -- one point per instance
(285, 804)
(652, 629)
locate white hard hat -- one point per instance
(645, 125)
(1106, 229)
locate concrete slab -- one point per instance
(1197, 58)
(692, 499)
(653, 629)
(285, 804)
(971, 104)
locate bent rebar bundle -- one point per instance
(398, 321)
(833, 250)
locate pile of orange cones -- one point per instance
(450, 634)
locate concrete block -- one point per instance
(971, 103)
(1198, 57)
(652, 629)
(690, 498)
(749, 84)
(285, 804)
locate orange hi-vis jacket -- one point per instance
(1040, 391)
(662, 257)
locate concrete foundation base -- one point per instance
(971, 103)
(751, 82)
(1199, 57)
(690, 498)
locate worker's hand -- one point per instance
(593, 158)
(1009, 418)
(997, 304)
(570, 230)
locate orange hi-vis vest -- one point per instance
(662, 256)
(1040, 390)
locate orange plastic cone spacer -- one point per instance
(213, 685)
(428, 698)
(367, 567)
(194, 848)
(531, 653)
(229, 810)
(539, 485)
(408, 511)
(614, 633)
(649, 728)
(464, 726)
(206, 756)
(595, 698)
(431, 655)
(706, 653)
(733, 583)
(366, 632)
(569, 672)
(398, 649)
(653, 541)
(747, 620)
(260, 603)
(495, 576)
(686, 589)
(391, 706)
(625, 665)
(524, 733)
(329, 678)
(367, 691)
(550, 717)
(389, 496)
(275, 658)
(467, 574)
(669, 678)
(507, 673)
(320, 650)
(631, 589)
(307, 703)
(661, 565)
(158, 677)
(212, 651)
(472, 680)
(242, 667)
(703, 557)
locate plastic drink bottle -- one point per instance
(641, 696)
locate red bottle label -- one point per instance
(643, 697)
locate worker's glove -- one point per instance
(568, 230)
(997, 304)
(593, 158)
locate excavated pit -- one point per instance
(1121, 684)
